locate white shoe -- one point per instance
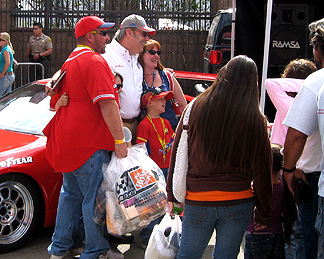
(110, 254)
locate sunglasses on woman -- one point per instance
(153, 52)
(103, 33)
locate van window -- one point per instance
(212, 30)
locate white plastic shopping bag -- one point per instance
(165, 239)
(134, 192)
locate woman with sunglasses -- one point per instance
(155, 75)
(7, 76)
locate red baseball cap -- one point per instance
(168, 95)
(89, 23)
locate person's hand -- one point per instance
(170, 207)
(290, 180)
(2, 75)
(299, 174)
(121, 150)
(48, 89)
(258, 226)
(36, 56)
(64, 100)
(171, 71)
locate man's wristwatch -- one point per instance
(288, 170)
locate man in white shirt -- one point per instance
(302, 122)
(121, 55)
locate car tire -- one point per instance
(19, 211)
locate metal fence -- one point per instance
(182, 25)
(24, 71)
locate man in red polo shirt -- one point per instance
(81, 137)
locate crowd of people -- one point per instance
(239, 181)
(107, 83)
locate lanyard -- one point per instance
(85, 46)
(162, 141)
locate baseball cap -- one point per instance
(89, 23)
(155, 95)
(138, 22)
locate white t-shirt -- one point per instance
(302, 116)
(119, 60)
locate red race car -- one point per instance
(29, 186)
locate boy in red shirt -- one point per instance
(158, 135)
(155, 131)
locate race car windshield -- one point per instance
(25, 110)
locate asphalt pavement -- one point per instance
(36, 248)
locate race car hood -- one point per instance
(10, 141)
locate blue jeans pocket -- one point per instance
(264, 246)
(240, 214)
(195, 215)
(258, 246)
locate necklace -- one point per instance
(149, 74)
(145, 82)
(162, 141)
(85, 46)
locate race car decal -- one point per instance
(10, 161)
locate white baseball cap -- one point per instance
(138, 22)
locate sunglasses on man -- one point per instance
(145, 34)
(153, 52)
(119, 86)
(103, 33)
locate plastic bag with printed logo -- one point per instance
(134, 189)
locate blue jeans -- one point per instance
(264, 246)
(230, 223)
(77, 198)
(308, 212)
(5, 84)
(319, 226)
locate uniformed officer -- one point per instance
(39, 49)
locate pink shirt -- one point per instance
(277, 88)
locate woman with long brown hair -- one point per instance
(228, 150)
